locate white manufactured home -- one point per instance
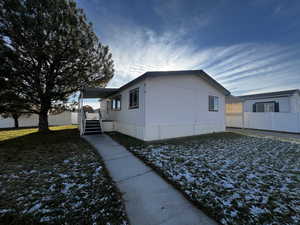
(160, 105)
(278, 111)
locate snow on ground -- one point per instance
(69, 188)
(56, 179)
(237, 179)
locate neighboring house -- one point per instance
(278, 111)
(161, 105)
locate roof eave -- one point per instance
(202, 74)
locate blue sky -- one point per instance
(248, 46)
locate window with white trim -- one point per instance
(116, 103)
(213, 103)
(134, 98)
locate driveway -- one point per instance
(273, 134)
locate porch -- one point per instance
(93, 123)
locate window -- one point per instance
(266, 107)
(213, 103)
(269, 107)
(116, 103)
(134, 98)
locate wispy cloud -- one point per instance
(177, 44)
(140, 50)
(241, 68)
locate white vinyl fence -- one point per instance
(74, 117)
(64, 118)
(287, 122)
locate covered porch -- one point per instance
(93, 123)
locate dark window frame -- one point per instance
(276, 106)
(134, 93)
(214, 105)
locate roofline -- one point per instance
(200, 73)
(105, 92)
(278, 94)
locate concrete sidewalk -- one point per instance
(149, 200)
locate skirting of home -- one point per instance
(161, 131)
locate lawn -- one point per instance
(55, 178)
(235, 179)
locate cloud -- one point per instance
(139, 50)
(241, 68)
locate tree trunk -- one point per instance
(43, 121)
(16, 121)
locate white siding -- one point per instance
(177, 106)
(128, 121)
(295, 103)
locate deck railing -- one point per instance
(82, 121)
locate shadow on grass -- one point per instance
(35, 145)
(18, 219)
(129, 141)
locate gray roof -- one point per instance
(98, 92)
(106, 92)
(199, 73)
(276, 94)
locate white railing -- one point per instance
(82, 122)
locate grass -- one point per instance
(233, 178)
(55, 178)
(6, 134)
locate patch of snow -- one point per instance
(67, 187)
(233, 213)
(3, 211)
(46, 219)
(225, 184)
(256, 210)
(63, 175)
(35, 207)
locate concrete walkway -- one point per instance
(282, 135)
(149, 200)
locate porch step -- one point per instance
(92, 127)
(92, 123)
(92, 132)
